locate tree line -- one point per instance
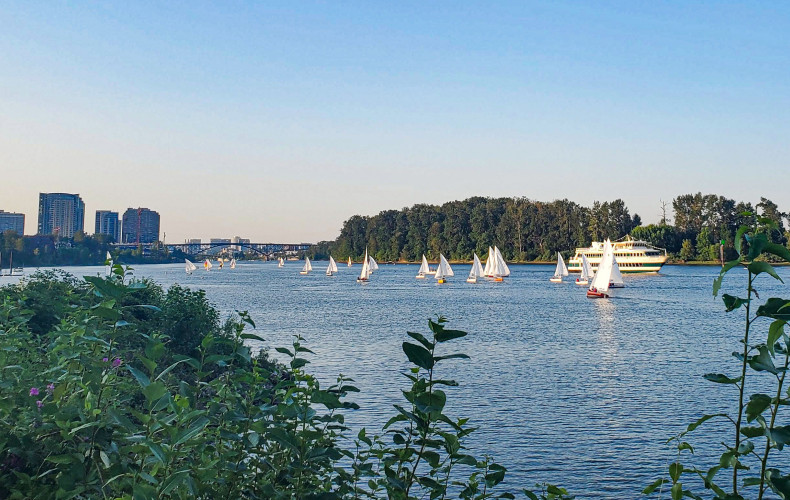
(529, 230)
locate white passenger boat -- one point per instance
(632, 256)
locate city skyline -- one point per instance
(279, 122)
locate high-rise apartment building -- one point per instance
(107, 223)
(12, 222)
(140, 225)
(60, 213)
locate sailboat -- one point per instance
(108, 265)
(561, 270)
(349, 262)
(221, 262)
(207, 265)
(616, 281)
(488, 271)
(307, 267)
(372, 263)
(476, 271)
(423, 268)
(364, 275)
(281, 262)
(332, 269)
(233, 263)
(189, 267)
(443, 271)
(599, 287)
(587, 273)
(505, 270)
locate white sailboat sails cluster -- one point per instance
(443, 271)
(586, 274)
(476, 271)
(496, 267)
(366, 271)
(307, 267)
(332, 268)
(424, 269)
(607, 275)
(561, 271)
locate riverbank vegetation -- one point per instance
(115, 388)
(527, 230)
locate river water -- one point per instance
(578, 392)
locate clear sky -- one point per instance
(276, 121)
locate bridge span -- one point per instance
(267, 249)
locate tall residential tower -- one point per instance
(60, 213)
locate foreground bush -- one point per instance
(103, 395)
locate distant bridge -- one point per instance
(267, 249)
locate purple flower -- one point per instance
(51, 388)
(34, 391)
(116, 362)
(104, 360)
(39, 404)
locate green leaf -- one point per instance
(421, 339)
(732, 303)
(154, 391)
(739, 238)
(779, 435)
(775, 308)
(284, 350)
(763, 361)
(677, 491)
(141, 377)
(192, 431)
(252, 336)
(174, 481)
(779, 483)
(745, 448)
(757, 243)
(752, 432)
(327, 399)
(721, 378)
(429, 402)
(724, 270)
(452, 356)
(418, 355)
(675, 470)
(446, 335)
(778, 250)
(758, 267)
(702, 420)
(144, 492)
(156, 450)
(653, 486)
(775, 332)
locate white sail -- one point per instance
(189, 267)
(307, 267)
(349, 262)
(365, 273)
(281, 262)
(332, 268)
(107, 266)
(444, 270)
(616, 281)
(561, 270)
(233, 263)
(587, 273)
(600, 282)
(423, 267)
(499, 258)
(489, 269)
(373, 266)
(477, 268)
(207, 264)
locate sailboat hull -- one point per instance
(596, 295)
(420, 277)
(471, 280)
(302, 272)
(582, 282)
(555, 280)
(441, 280)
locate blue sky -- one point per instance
(277, 121)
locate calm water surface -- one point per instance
(578, 392)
